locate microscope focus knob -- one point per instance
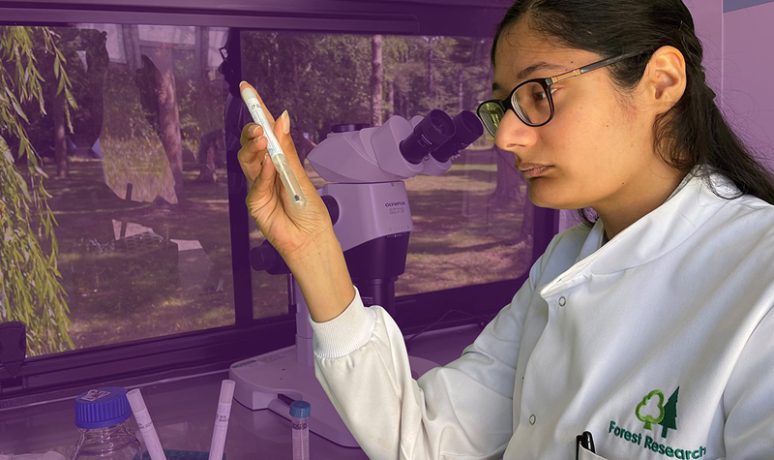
(266, 258)
(333, 207)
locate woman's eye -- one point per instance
(539, 96)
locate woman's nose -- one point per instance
(513, 134)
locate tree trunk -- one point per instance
(169, 117)
(430, 79)
(461, 91)
(97, 62)
(377, 79)
(391, 98)
(60, 135)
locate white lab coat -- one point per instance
(660, 342)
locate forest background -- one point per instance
(67, 108)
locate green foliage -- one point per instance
(200, 101)
(30, 288)
(85, 79)
(324, 79)
(127, 119)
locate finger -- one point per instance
(265, 185)
(286, 142)
(250, 157)
(250, 132)
(263, 192)
(247, 156)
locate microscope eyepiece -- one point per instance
(432, 132)
(468, 128)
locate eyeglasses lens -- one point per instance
(531, 104)
(490, 114)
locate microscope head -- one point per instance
(398, 149)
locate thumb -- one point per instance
(282, 132)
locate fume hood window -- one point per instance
(138, 188)
(473, 224)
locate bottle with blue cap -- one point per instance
(102, 416)
(299, 414)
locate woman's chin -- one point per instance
(544, 197)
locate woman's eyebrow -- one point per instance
(539, 66)
(529, 70)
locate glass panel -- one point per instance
(138, 187)
(471, 225)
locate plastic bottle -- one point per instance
(101, 416)
(299, 413)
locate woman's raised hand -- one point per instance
(303, 236)
(289, 228)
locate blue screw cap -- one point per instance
(300, 409)
(102, 407)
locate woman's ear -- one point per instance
(664, 79)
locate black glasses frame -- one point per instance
(546, 83)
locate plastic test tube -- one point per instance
(250, 97)
(145, 424)
(299, 413)
(221, 419)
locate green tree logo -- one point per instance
(651, 414)
(670, 414)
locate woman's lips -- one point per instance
(531, 171)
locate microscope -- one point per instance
(366, 198)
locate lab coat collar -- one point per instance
(657, 233)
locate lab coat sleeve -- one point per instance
(749, 397)
(463, 409)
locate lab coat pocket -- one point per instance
(585, 454)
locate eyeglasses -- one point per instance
(532, 101)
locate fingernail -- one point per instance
(285, 122)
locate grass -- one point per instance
(460, 237)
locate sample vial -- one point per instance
(299, 414)
(101, 416)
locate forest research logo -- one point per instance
(655, 410)
(652, 411)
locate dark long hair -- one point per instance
(694, 131)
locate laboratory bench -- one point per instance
(183, 412)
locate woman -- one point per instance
(652, 329)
